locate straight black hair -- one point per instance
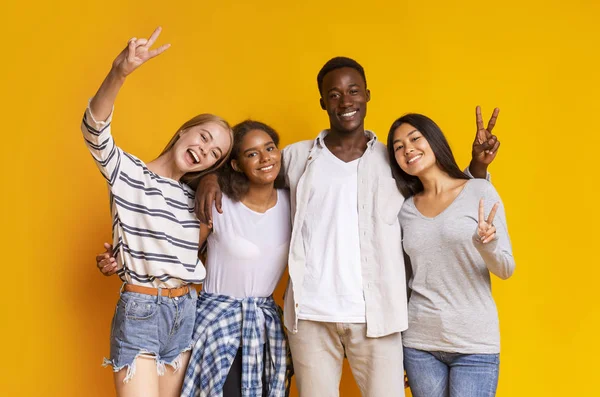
(410, 185)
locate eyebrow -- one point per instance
(338, 89)
(208, 132)
(254, 148)
(409, 134)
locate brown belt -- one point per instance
(169, 292)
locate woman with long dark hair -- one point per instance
(454, 232)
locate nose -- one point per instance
(346, 100)
(408, 150)
(263, 157)
(203, 150)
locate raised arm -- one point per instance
(96, 123)
(132, 57)
(485, 145)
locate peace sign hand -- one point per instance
(137, 52)
(485, 145)
(485, 228)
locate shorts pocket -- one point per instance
(140, 309)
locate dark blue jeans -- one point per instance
(440, 374)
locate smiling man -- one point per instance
(346, 296)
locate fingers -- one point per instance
(493, 119)
(489, 235)
(481, 211)
(106, 264)
(495, 148)
(219, 202)
(131, 49)
(109, 249)
(141, 42)
(109, 270)
(154, 36)
(210, 200)
(479, 118)
(100, 258)
(490, 143)
(200, 213)
(159, 50)
(490, 219)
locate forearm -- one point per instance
(478, 170)
(102, 104)
(498, 260)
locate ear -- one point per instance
(235, 166)
(322, 102)
(368, 95)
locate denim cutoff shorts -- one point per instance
(151, 325)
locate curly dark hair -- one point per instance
(233, 183)
(410, 185)
(338, 63)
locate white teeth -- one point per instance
(418, 156)
(194, 155)
(349, 114)
(268, 168)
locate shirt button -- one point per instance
(310, 158)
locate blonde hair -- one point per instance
(192, 178)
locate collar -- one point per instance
(370, 134)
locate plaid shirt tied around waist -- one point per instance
(222, 323)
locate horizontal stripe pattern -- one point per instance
(155, 230)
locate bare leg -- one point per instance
(170, 384)
(144, 381)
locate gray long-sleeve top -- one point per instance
(451, 308)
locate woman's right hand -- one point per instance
(136, 53)
(106, 262)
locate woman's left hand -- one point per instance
(485, 228)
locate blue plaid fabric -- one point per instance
(222, 323)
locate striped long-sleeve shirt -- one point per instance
(155, 231)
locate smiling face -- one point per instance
(412, 151)
(258, 158)
(344, 96)
(201, 146)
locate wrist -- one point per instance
(116, 75)
(477, 169)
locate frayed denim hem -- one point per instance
(160, 364)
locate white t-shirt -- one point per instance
(333, 290)
(248, 250)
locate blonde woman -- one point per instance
(155, 234)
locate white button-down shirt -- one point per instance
(382, 260)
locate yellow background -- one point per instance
(536, 60)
